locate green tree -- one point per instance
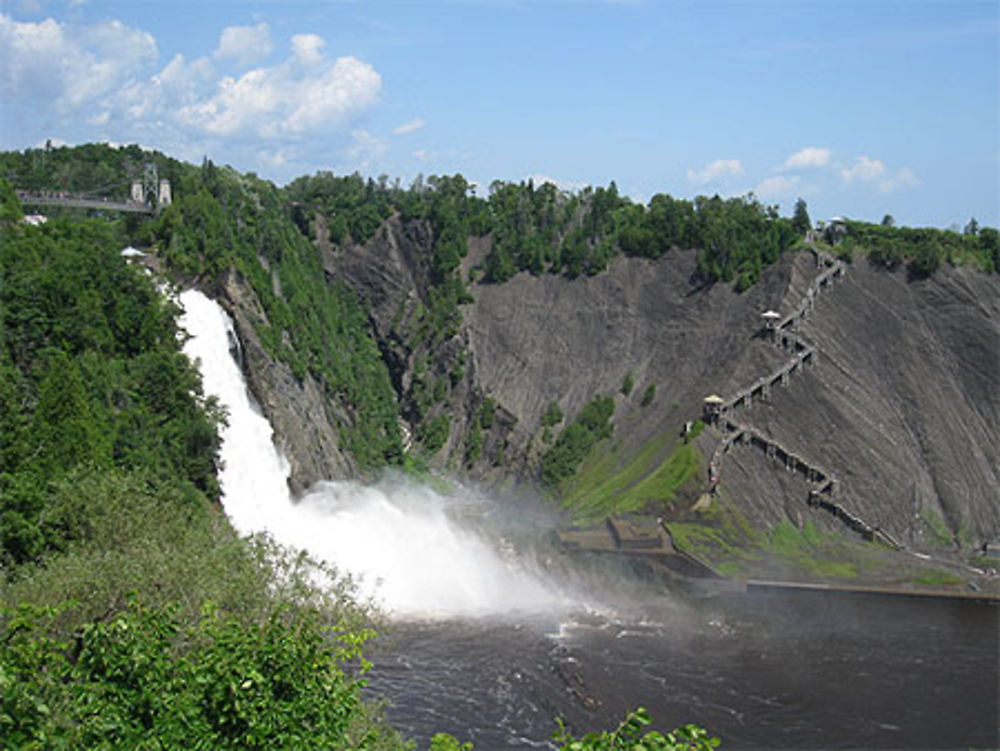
(926, 259)
(64, 428)
(989, 243)
(10, 206)
(800, 218)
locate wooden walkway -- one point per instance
(784, 333)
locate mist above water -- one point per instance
(403, 542)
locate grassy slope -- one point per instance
(607, 485)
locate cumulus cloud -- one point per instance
(810, 156)
(778, 186)
(867, 170)
(715, 170)
(863, 170)
(244, 45)
(106, 79)
(308, 48)
(903, 178)
(49, 62)
(411, 127)
(283, 100)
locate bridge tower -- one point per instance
(150, 184)
(163, 196)
(151, 191)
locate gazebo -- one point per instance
(132, 254)
(712, 407)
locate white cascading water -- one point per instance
(396, 537)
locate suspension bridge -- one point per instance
(147, 195)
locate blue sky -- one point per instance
(861, 108)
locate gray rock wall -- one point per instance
(903, 407)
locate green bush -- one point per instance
(632, 735)
(434, 433)
(552, 416)
(628, 384)
(648, 395)
(142, 679)
(574, 443)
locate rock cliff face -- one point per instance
(303, 419)
(902, 406)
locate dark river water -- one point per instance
(761, 670)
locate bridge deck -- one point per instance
(83, 202)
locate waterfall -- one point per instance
(254, 473)
(398, 538)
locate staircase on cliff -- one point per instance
(718, 411)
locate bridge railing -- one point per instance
(71, 200)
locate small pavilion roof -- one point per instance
(771, 315)
(131, 252)
(714, 399)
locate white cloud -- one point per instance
(867, 170)
(244, 45)
(366, 150)
(904, 178)
(411, 127)
(810, 156)
(715, 170)
(308, 48)
(52, 63)
(275, 158)
(864, 170)
(286, 100)
(99, 80)
(421, 154)
(778, 186)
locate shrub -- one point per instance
(628, 384)
(649, 395)
(552, 416)
(574, 443)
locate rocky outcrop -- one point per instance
(303, 419)
(429, 363)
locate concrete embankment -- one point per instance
(763, 586)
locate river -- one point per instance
(493, 633)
